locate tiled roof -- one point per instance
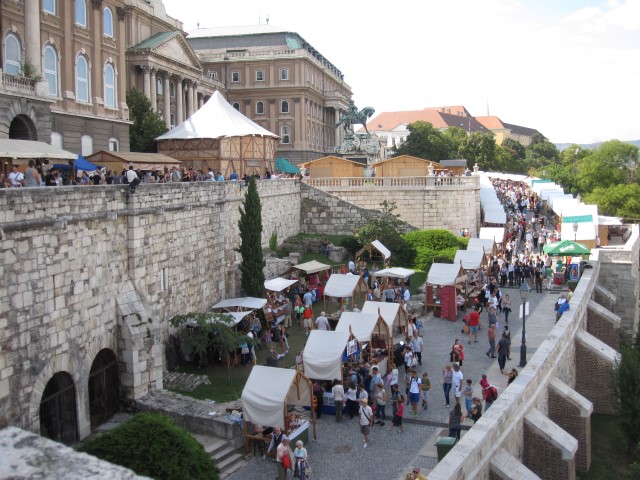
(517, 129)
(491, 122)
(402, 158)
(155, 40)
(388, 121)
(452, 109)
(235, 31)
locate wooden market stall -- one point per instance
(404, 166)
(146, 162)
(334, 167)
(495, 233)
(399, 276)
(312, 275)
(472, 262)
(485, 245)
(389, 311)
(266, 400)
(441, 291)
(343, 286)
(376, 252)
(325, 352)
(19, 152)
(457, 166)
(371, 331)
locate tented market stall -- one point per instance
(442, 281)
(324, 353)
(495, 233)
(377, 252)
(343, 286)
(371, 329)
(389, 311)
(278, 284)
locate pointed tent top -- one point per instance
(216, 119)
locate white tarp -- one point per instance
(560, 205)
(237, 317)
(278, 284)
(387, 310)
(244, 302)
(267, 390)
(443, 274)
(395, 272)
(32, 149)
(495, 215)
(323, 354)
(483, 244)
(382, 249)
(362, 324)
(469, 259)
(604, 220)
(495, 233)
(312, 267)
(341, 285)
(587, 230)
(216, 119)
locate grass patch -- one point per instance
(335, 239)
(609, 456)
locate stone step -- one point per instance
(229, 464)
(222, 455)
(233, 468)
(211, 444)
(227, 458)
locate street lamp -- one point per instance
(575, 231)
(524, 294)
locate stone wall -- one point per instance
(89, 268)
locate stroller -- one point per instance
(302, 471)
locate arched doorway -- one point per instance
(58, 417)
(103, 387)
(22, 128)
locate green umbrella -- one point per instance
(566, 248)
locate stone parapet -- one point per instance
(595, 362)
(603, 324)
(505, 466)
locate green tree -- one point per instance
(613, 163)
(455, 137)
(480, 148)
(617, 200)
(250, 225)
(434, 245)
(573, 154)
(153, 446)
(541, 152)
(626, 383)
(514, 145)
(426, 142)
(147, 124)
(564, 175)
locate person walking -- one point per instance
(352, 400)
(338, 398)
(491, 336)
(506, 308)
(467, 392)
(397, 417)
(381, 404)
(455, 421)
(301, 458)
(424, 390)
(283, 458)
(502, 349)
(417, 344)
(456, 382)
(474, 324)
(366, 421)
(414, 391)
(447, 373)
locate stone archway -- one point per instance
(58, 412)
(22, 128)
(104, 387)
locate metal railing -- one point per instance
(384, 182)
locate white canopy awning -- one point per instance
(311, 267)
(267, 390)
(395, 272)
(469, 259)
(483, 244)
(244, 302)
(604, 220)
(387, 310)
(341, 285)
(216, 119)
(32, 149)
(278, 284)
(444, 274)
(382, 249)
(323, 354)
(362, 324)
(495, 215)
(492, 233)
(236, 316)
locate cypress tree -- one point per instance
(250, 225)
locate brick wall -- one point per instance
(543, 459)
(569, 418)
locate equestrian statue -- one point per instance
(354, 117)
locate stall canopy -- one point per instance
(81, 163)
(445, 274)
(395, 272)
(244, 302)
(278, 284)
(118, 161)
(377, 245)
(283, 165)
(323, 354)
(362, 324)
(268, 390)
(566, 248)
(310, 267)
(585, 216)
(495, 233)
(388, 311)
(236, 318)
(486, 245)
(469, 259)
(341, 286)
(32, 149)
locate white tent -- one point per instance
(311, 267)
(237, 317)
(269, 390)
(278, 284)
(323, 354)
(561, 205)
(495, 233)
(586, 216)
(485, 245)
(244, 302)
(216, 119)
(604, 220)
(341, 285)
(362, 324)
(445, 274)
(469, 259)
(387, 310)
(495, 215)
(32, 149)
(395, 272)
(386, 253)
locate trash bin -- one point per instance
(443, 445)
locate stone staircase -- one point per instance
(227, 458)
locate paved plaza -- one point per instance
(338, 452)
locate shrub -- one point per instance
(273, 241)
(626, 383)
(445, 256)
(152, 445)
(352, 244)
(434, 243)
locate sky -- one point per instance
(568, 68)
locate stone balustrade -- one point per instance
(385, 182)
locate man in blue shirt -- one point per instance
(561, 309)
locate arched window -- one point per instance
(49, 6)
(12, 54)
(260, 108)
(56, 140)
(81, 13)
(173, 120)
(159, 86)
(108, 22)
(114, 145)
(109, 86)
(284, 74)
(51, 69)
(82, 79)
(172, 89)
(236, 105)
(284, 106)
(285, 134)
(86, 143)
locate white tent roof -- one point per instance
(604, 220)
(278, 284)
(362, 324)
(482, 244)
(32, 149)
(216, 119)
(382, 249)
(587, 229)
(469, 259)
(237, 317)
(560, 205)
(341, 285)
(312, 267)
(395, 272)
(494, 233)
(443, 274)
(323, 354)
(265, 393)
(388, 310)
(244, 302)
(495, 214)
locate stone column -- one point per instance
(154, 91)
(189, 92)
(200, 101)
(122, 64)
(167, 101)
(179, 110)
(194, 90)
(32, 34)
(147, 81)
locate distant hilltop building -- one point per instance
(507, 130)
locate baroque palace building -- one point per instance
(67, 65)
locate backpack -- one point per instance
(493, 391)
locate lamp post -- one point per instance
(575, 231)
(524, 294)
